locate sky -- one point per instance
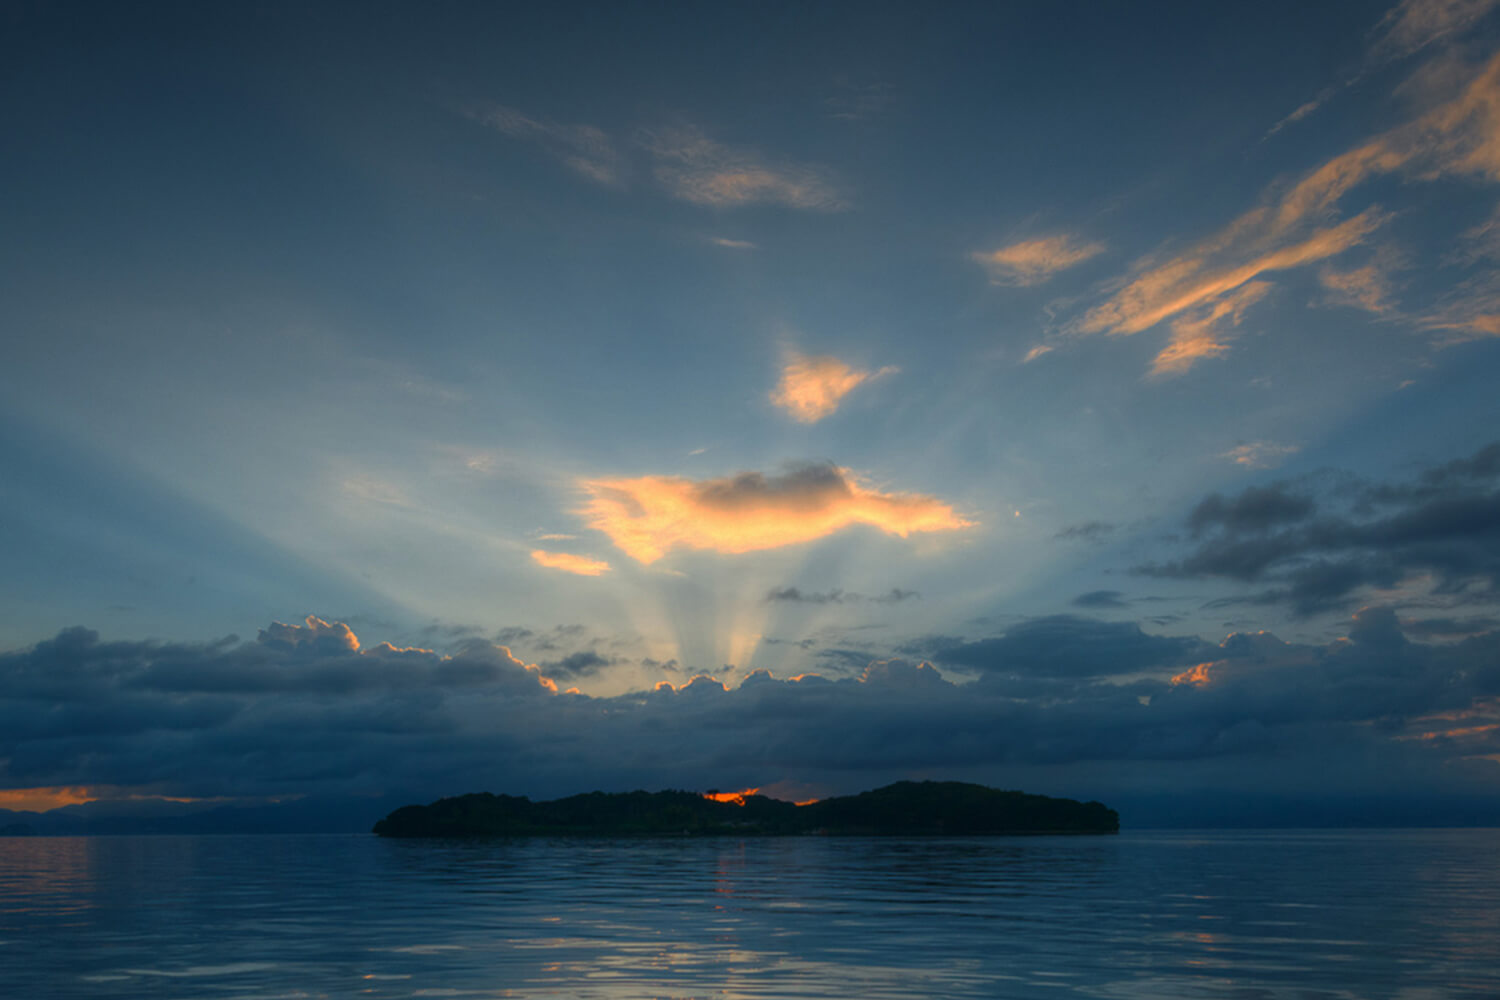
(417, 399)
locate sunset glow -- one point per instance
(649, 516)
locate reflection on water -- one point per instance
(1388, 914)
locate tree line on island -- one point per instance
(906, 808)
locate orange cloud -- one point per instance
(649, 516)
(569, 563)
(1034, 261)
(1202, 336)
(1366, 288)
(1191, 280)
(812, 388)
(1198, 676)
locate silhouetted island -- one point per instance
(907, 808)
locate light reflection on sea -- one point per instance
(1370, 914)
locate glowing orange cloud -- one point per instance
(734, 798)
(1198, 676)
(1201, 336)
(569, 563)
(649, 516)
(812, 388)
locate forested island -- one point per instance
(907, 808)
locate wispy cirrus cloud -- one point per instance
(1406, 29)
(1413, 25)
(649, 516)
(811, 388)
(1298, 225)
(697, 169)
(584, 149)
(570, 563)
(1205, 332)
(1034, 261)
(1367, 288)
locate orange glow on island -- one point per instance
(733, 798)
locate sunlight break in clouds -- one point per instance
(569, 563)
(651, 515)
(812, 388)
(1034, 261)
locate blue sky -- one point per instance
(1032, 343)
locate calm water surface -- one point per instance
(1399, 914)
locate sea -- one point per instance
(1402, 914)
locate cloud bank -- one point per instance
(308, 709)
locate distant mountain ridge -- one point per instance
(906, 808)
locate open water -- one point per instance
(1304, 915)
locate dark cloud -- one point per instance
(1256, 509)
(1315, 555)
(585, 663)
(1088, 531)
(304, 710)
(1100, 599)
(1450, 627)
(799, 596)
(1062, 646)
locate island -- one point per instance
(906, 808)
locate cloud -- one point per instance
(1406, 29)
(1469, 311)
(1260, 454)
(1367, 288)
(1301, 112)
(1063, 646)
(569, 563)
(649, 516)
(1088, 531)
(1100, 599)
(726, 242)
(795, 595)
(1259, 508)
(1441, 532)
(272, 718)
(1201, 334)
(1221, 266)
(1412, 25)
(1035, 261)
(584, 149)
(1297, 225)
(584, 663)
(697, 169)
(811, 388)
(1036, 352)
